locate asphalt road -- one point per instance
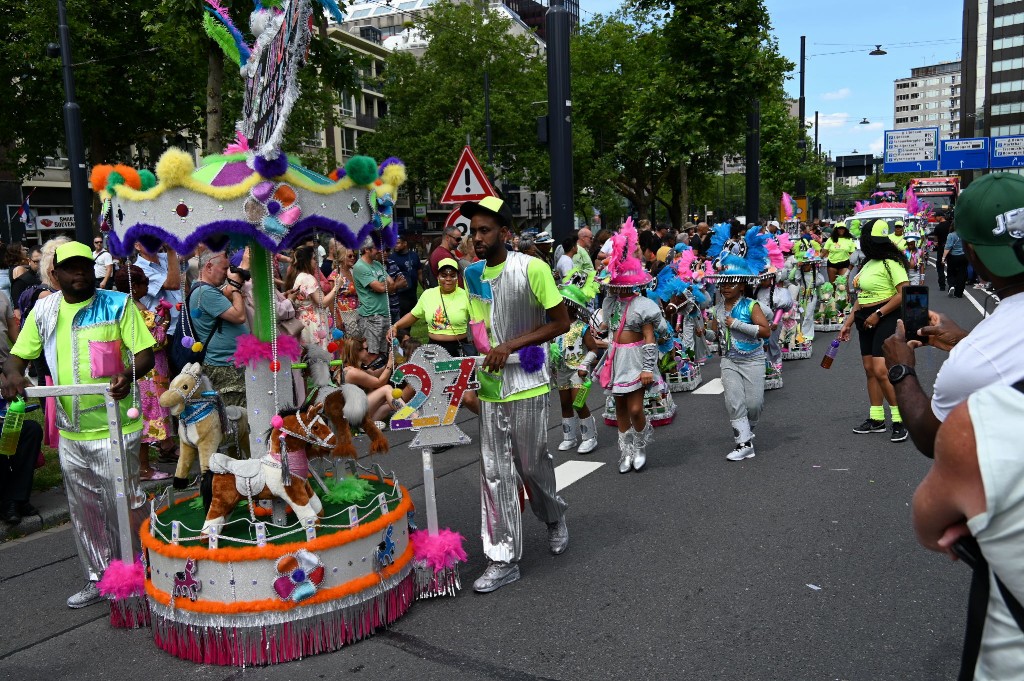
(798, 564)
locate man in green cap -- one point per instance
(990, 221)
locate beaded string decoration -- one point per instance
(133, 411)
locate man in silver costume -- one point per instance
(514, 296)
(88, 336)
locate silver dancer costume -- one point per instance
(742, 368)
(88, 477)
(513, 434)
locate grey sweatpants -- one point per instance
(743, 380)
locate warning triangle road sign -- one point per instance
(468, 182)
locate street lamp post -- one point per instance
(801, 144)
(559, 124)
(73, 132)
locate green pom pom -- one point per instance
(113, 179)
(196, 504)
(348, 490)
(148, 179)
(361, 169)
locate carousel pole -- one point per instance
(259, 380)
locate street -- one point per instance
(800, 563)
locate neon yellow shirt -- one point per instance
(542, 284)
(877, 281)
(131, 331)
(445, 314)
(839, 250)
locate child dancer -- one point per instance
(573, 355)
(630, 371)
(741, 325)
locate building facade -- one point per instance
(993, 68)
(929, 98)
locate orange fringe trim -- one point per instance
(274, 551)
(275, 604)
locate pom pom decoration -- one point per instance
(177, 306)
(275, 366)
(187, 341)
(337, 334)
(392, 171)
(98, 177)
(336, 174)
(276, 421)
(348, 490)
(130, 175)
(332, 347)
(439, 551)
(271, 167)
(362, 170)
(531, 358)
(396, 393)
(114, 179)
(122, 580)
(174, 167)
(133, 413)
(197, 347)
(249, 349)
(148, 179)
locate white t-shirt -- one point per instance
(990, 355)
(563, 267)
(100, 263)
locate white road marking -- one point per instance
(571, 471)
(712, 387)
(968, 296)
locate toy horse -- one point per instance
(343, 405)
(282, 473)
(202, 421)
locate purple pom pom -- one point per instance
(271, 167)
(531, 358)
(390, 160)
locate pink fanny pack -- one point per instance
(604, 378)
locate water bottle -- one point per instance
(830, 355)
(581, 395)
(11, 432)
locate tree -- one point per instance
(436, 102)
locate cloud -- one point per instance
(833, 120)
(841, 93)
(872, 126)
(876, 147)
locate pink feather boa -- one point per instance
(123, 580)
(439, 551)
(775, 256)
(251, 349)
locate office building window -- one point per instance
(1003, 43)
(1009, 20)
(1007, 64)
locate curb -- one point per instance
(53, 510)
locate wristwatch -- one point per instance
(899, 372)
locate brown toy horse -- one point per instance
(276, 474)
(343, 405)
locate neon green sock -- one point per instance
(894, 411)
(876, 413)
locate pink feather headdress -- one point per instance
(785, 243)
(775, 257)
(787, 206)
(624, 267)
(684, 264)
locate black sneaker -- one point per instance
(899, 432)
(870, 426)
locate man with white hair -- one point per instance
(372, 286)
(581, 259)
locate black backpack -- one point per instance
(177, 354)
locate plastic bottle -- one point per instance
(830, 355)
(582, 393)
(11, 432)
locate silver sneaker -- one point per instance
(558, 537)
(626, 451)
(86, 597)
(569, 439)
(496, 576)
(588, 435)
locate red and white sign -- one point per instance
(457, 219)
(469, 181)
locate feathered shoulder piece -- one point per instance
(757, 249)
(668, 284)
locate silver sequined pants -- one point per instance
(89, 481)
(514, 440)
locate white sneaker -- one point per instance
(496, 576)
(86, 597)
(569, 440)
(741, 452)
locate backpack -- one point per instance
(28, 298)
(177, 354)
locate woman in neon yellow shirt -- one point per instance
(838, 247)
(445, 309)
(879, 285)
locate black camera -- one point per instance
(245, 275)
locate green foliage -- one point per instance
(436, 101)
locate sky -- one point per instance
(842, 82)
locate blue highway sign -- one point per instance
(1008, 151)
(911, 150)
(970, 153)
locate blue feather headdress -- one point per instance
(719, 238)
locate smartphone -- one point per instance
(915, 311)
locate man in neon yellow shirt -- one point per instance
(514, 300)
(89, 336)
